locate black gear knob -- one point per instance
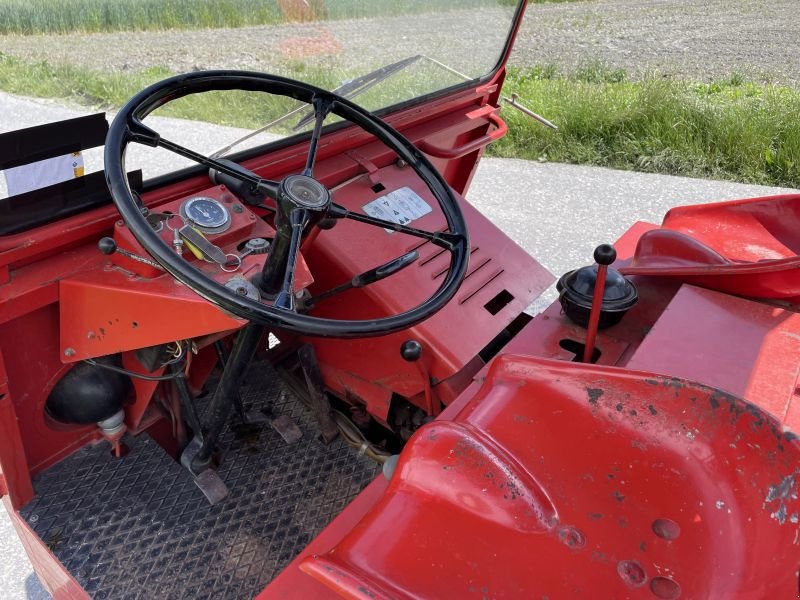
(605, 254)
(107, 246)
(411, 350)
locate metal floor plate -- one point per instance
(138, 527)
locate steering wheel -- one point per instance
(301, 201)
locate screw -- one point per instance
(69, 352)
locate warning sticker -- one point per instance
(400, 206)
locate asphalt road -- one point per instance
(557, 212)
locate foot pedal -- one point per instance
(286, 427)
(209, 482)
(316, 390)
(255, 417)
(212, 486)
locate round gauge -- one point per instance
(206, 214)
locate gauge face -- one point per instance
(206, 214)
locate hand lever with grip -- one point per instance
(604, 255)
(367, 277)
(108, 246)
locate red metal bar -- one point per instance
(450, 153)
(594, 316)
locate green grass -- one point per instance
(66, 16)
(729, 129)
(234, 108)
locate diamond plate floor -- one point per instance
(138, 527)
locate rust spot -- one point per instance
(571, 537)
(618, 496)
(666, 529)
(651, 381)
(665, 588)
(652, 409)
(594, 395)
(631, 573)
(783, 491)
(619, 407)
(366, 592)
(595, 515)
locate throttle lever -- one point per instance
(108, 246)
(367, 277)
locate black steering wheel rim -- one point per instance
(128, 127)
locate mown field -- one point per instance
(67, 16)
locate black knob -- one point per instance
(411, 350)
(107, 245)
(605, 254)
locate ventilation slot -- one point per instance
(499, 302)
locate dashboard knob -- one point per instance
(411, 350)
(107, 245)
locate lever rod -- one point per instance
(604, 255)
(367, 277)
(527, 111)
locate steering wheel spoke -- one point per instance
(140, 133)
(322, 107)
(285, 298)
(443, 239)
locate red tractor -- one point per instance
(305, 370)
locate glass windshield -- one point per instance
(377, 53)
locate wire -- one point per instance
(177, 354)
(173, 375)
(353, 436)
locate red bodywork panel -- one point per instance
(496, 263)
(442, 527)
(746, 247)
(560, 480)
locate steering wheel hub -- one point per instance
(302, 191)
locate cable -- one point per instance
(131, 373)
(177, 355)
(353, 436)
